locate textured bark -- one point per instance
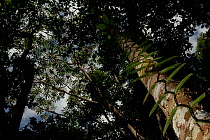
(184, 125)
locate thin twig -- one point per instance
(53, 112)
(111, 107)
(58, 89)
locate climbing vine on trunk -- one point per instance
(184, 113)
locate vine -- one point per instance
(146, 64)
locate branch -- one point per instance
(111, 107)
(51, 56)
(53, 112)
(58, 89)
(29, 37)
(112, 125)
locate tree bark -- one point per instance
(26, 80)
(3, 94)
(183, 123)
(23, 70)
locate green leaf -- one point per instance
(135, 71)
(156, 104)
(141, 45)
(198, 100)
(93, 11)
(139, 78)
(111, 22)
(105, 19)
(156, 59)
(174, 72)
(104, 33)
(170, 67)
(102, 26)
(132, 65)
(164, 61)
(145, 49)
(169, 120)
(152, 87)
(148, 55)
(125, 58)
(182, 82)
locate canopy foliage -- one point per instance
(43, 43)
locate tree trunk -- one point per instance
(26, 72)
(3, 94)
(23, 70)
(183, 123)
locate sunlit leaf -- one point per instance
(197, 100)
(132, 65)
(182, 82)
(170, 68)
(169, 120)
(174, 73)
(139, 78)
(164, 61)
(124, 58)
(139, 69)
(152, 87)
(157, 103)
(150, 54)
(158, 58)
(144, 49)
(141, 45)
